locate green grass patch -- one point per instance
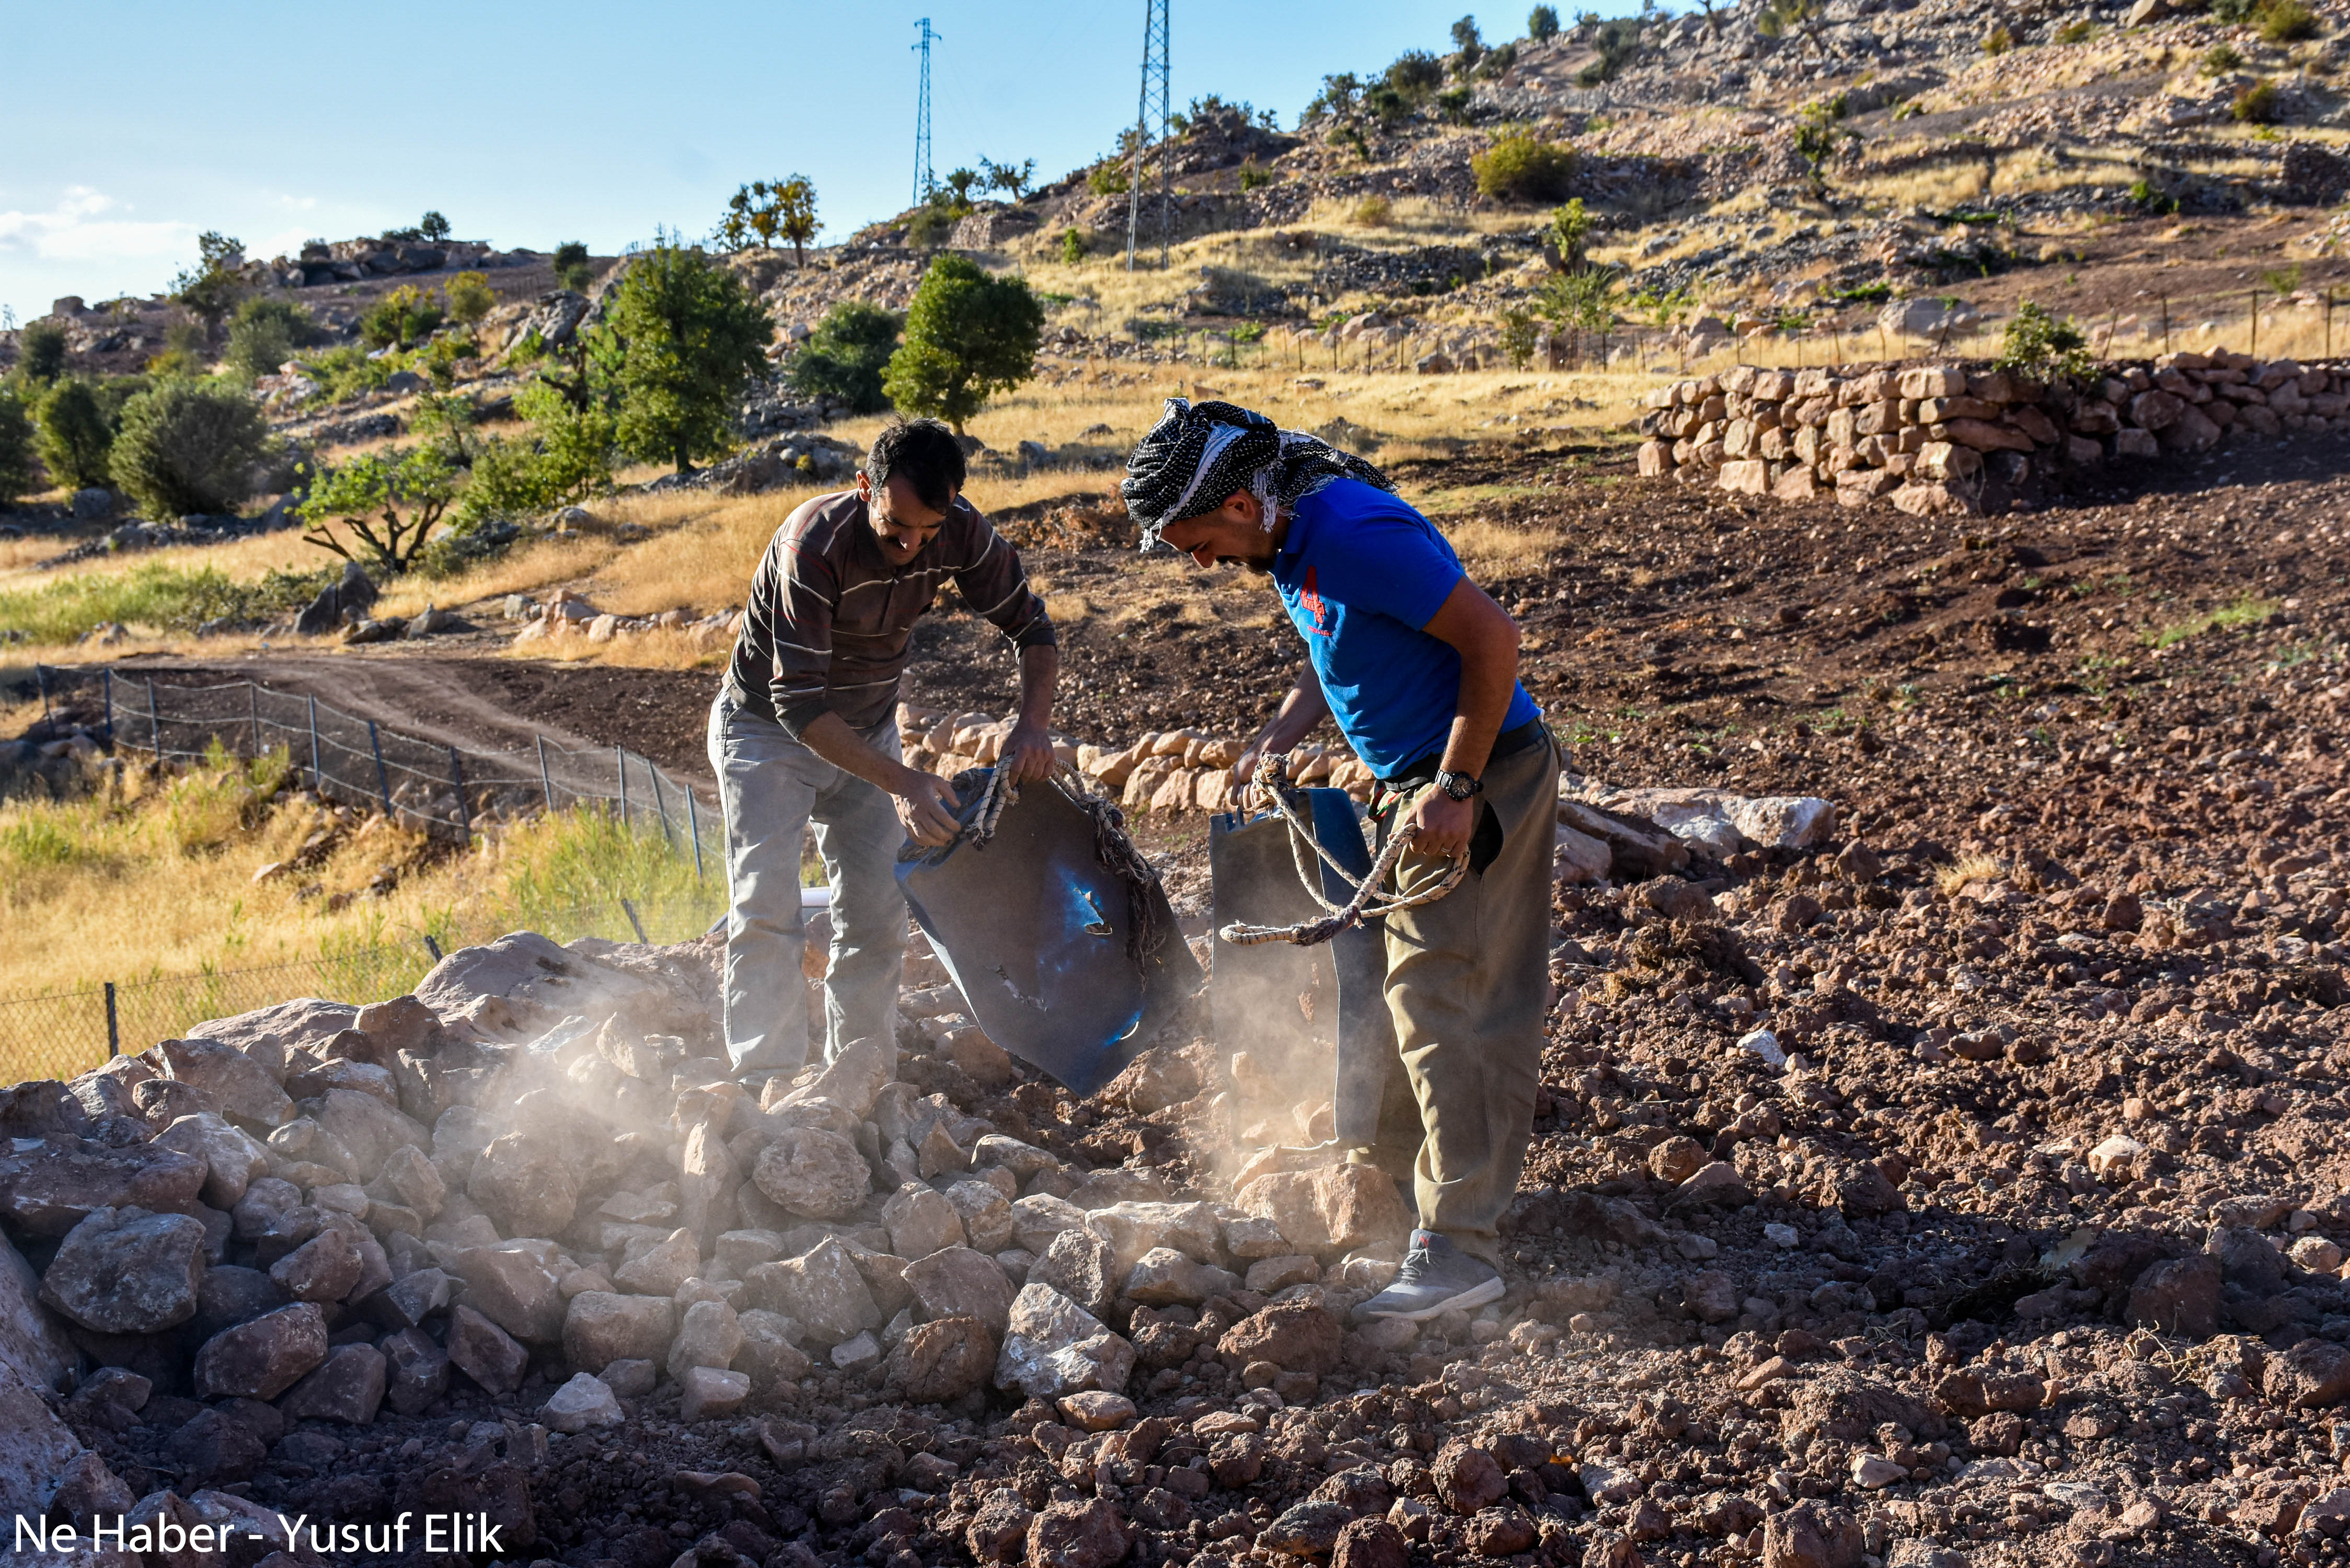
(2246, 609)
(166, 597)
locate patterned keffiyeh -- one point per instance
(1199, 453)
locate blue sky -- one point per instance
(527, 124)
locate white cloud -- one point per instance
(84, 224)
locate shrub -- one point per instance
(405, 316)
(2043, 347)
(186, 447)
(2287, 21)
(929, 228)
(213, 286)
(184, 348)
(845, 356)
(1519, 330)
(16, 449)
(687, 341)
(1253, 175)
(1520, 166)
(571, 265)
(391, 501)
(265, 335)
(1542, 24)
(1372, 213)
(565, 459)
(1999, 40)
(1390, 106)
(76, 435)
(1452, 103)
(1107, 179)
(1415, 74)
(1617, 40)
(967, 336)
(2256, 104)
(469, 297)
(2079, 32)
(41, 351)
(1072, 245)
(1570, 233)
(2221, 58)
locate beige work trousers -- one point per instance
(1469, 985)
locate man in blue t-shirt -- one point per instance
(1418, 666)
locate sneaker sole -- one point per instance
(1476, 1296)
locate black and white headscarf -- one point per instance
(1199, 453)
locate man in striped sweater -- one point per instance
(804, 732)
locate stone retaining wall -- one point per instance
(1950, 438)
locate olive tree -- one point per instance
(967, 335)
(188, 447)
(684, 341)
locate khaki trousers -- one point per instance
(1469, 985)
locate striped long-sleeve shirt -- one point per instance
(829, 621)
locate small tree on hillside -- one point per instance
(1542, 24)
(685, 341)
(41, 351)
(1013, 180)
(847, 355)
(433, 228)
(470, 296)
(390, 501)
(188, 447)
(212, 287)
(770, 209)
(76, 435)
(1468, 43)
(571, 269)
(967, 336)
(16, 449)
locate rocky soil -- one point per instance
(1953, 1178)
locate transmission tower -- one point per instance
(1154, 99)
(925, 182)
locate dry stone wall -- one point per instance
(1947, 437)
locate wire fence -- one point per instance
(59, 1034)
(429, 786)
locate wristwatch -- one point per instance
(1459, 786)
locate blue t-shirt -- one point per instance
(1360, 573)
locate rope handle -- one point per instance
(1365, 900)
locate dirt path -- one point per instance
(489, 704)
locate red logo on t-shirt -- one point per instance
(1315, 606)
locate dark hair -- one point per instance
(926, 452)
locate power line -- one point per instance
(1154, 93)
(925, 180)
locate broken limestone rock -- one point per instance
(124, 1271)
(956, 1282)
(583, 1404)
(486, 1352)
(232, 1157)
(262, 1358)
(602, 1327)
(943, 1359)
(813, 1173)
(822, 1289)
(1053, 1347)
(348, 1387)
(1331, 1208)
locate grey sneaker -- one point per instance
(1436, 1277)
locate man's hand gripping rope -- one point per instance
(1366, 902)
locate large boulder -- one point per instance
(486, 1352)
(603, 1326)
(813, 1173)
(348, 1387)
(1053, 1347)
(1296, 1336)
(943, 1359)
(1331, 1208)
(822, 1289)
(514, 1287)
(32, 1340)
(267, 1035)
(125, 1271)
(240, 1086)
(35, 1448)
(263, 1357)
(527, 1183)
(51, 1187)
(956, 1282)
(233, 1157)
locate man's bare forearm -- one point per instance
(1040, 672)
(1298, 716)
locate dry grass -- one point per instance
(241, 558)
(184, 848)
(1965, 869)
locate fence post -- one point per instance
(545, 785)
(693, 826)
(113, 1024)
(620, 755)
(41, 679)
(457, 777)
(318, 778)
(253, 704)
(109, 684)
(154, 719)
(382, 778)
(635, 924)
(661, 810)
(432, 947)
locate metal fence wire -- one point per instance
(60, 1035)
(423, 784)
